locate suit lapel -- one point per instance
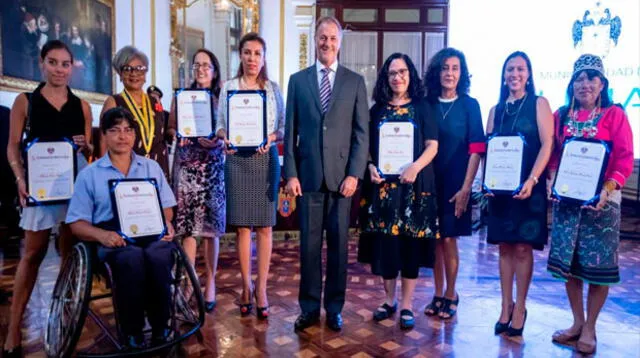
(312, 77)
(337, 85)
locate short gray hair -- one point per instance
(329, 19)
(126, 55)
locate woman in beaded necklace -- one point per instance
(584, 239)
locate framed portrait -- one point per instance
(86, 26)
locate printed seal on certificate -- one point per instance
(137, 210)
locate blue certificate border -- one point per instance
(113, 184)
(596, 196)
(485, 188)
(262, 94)
(213, 120)
(394, 177)
(31, 201)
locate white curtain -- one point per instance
(408, 43)
(433, 42)
(359, 53)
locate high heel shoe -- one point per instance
(261, 312)
(246, 308)
(500, 327)
(517, 332)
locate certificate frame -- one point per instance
(230, 132)
(485, 188)
(185, 132)
(595, 197)
(113, 184)
(382, 173)
(39, 200)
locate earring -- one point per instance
(504, 82)
(528, 83)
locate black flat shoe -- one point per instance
(500, 327)
(334, 321)
(517, 332)
(407, 321)
(306, 320)
(384, 311)
(15, 352)
(209, 306)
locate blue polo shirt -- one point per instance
(91, 200)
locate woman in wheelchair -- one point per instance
(141, 272)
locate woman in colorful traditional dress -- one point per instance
(584, 239)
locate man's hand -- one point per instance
(348, 186)
(293, 187)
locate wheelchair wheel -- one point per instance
(188, 299)
(69, 303)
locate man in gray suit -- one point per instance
(326, 149)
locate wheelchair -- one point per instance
(72, 295)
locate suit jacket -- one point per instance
(326, 147)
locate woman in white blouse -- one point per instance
(252, 177)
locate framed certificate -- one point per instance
(581, 171)
(194, 114)
(247, 119)
(51, 168)
(503, 164)
(137, 210)
(395, 147)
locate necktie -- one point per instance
(325, 90)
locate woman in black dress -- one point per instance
(402, 211)
(461, 143)
(519, 223)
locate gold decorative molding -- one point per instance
(304, 39)
(153, 42)
(14, 84)
(282, 43)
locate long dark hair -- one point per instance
(263, 77)
(504, 88)
(215, 82)
(432, 77)
(54, 45)
(382, 92)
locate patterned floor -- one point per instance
(469, 335)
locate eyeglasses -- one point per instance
(402, 73)
(204, 67)
(118, 131)
(131, 70)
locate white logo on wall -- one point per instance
(597, 32)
